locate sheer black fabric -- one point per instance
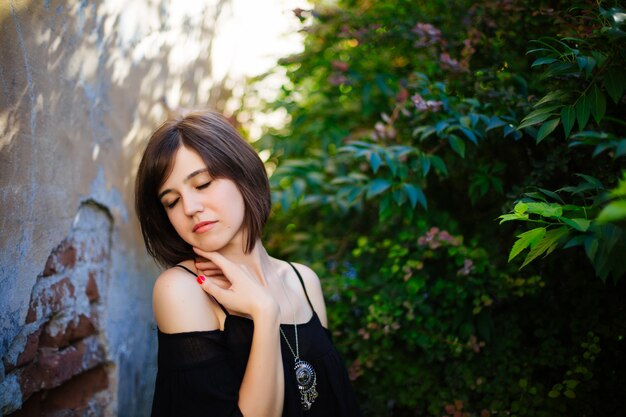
(200, 372)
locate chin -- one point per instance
(210, 247)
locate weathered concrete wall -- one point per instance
(82, 83)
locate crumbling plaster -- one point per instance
(82, 84)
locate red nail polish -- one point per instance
(200, 279)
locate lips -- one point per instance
(203, 227)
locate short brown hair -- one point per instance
(226, 154)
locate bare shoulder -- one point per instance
(314, 289)
(181, 305)
(308, 275)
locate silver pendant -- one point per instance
(306, 378)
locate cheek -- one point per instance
(175, 220)
(240, 208)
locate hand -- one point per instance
(210, 270)
(239, 290)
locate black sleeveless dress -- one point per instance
(199, 373)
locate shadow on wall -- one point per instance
(82, 84)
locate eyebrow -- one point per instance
(190, 176)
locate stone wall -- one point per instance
(82, 84)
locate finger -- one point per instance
(206, 265)
(205, 255)
(218, 259)
(203, 263)
(212, 268)
(212, 273)
(222, 295)
(221, 281)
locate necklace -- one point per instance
(305, 374)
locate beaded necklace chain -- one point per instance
(305, 374)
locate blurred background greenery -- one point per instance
(454, 171)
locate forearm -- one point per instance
(262, 389)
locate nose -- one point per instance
(191, 204)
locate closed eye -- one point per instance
(172, 204)
(203, 186)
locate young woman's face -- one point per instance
(206, 212)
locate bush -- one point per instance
(412, 131)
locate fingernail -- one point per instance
(200, 279)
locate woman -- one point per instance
(240, 332)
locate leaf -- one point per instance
(375, 161)
(559, 69)
(613, 212)
(399, 197)
(526, 239)
(423, 132)
(354, 194)
(391, 162)
(579, 224)
(601, 148)
(549, 242)
(542, 61)
(535, 117)
(439, 164)
(440, 127)
(614, 83)
(514, 216)
(457, 145)
(591, 180)
(598, 104)
(583, 110)
(591, 248)
(552, 96)
(545, 209)
(546, 129)
(510, 130)
(470, 135)
(551, 194)
(535, 196)
(553, 394)
(520, 208)
(575, 241)
(425, 163)
(568, 117)
(414, 194)
(587, 64)
(376, 187)
(494, 123)
(384, 210)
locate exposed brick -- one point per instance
(28, 353)
(50, 268)
(66, 254)
(92, 287)
(31, 316)
(30, 350)
(76, 393)
(53, 367)
(74, 331)
(50, 300)
(63, 256)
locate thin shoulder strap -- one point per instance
(194, 274)
(303, 287)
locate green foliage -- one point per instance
(411, 129)
(593, 223)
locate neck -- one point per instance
(258, 261)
